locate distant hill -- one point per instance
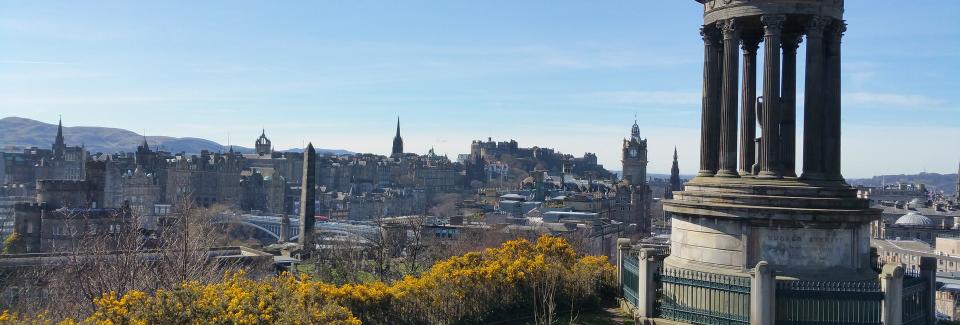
(22, 132)
(933, 181)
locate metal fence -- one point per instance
(629, 274)
(823, 302)
(915, 304)
(702, 298)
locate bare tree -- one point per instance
(100, 254)
(413, 258)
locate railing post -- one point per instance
(928, 272)
(763, 291)
(623, 247)
(891, 282)
(647, 289)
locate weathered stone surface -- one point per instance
(806, 248)
(716, 10)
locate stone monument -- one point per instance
(308, 197)
(728, 219)
(752, 240)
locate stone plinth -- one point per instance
(803, 230)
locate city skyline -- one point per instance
(338, 76)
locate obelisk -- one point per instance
(308, 197)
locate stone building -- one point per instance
(509, 154)
(262, 146)
(65, 163)
(773, 244)
(207, 179)
(916, 220)
(7, 204)
(263, 189)
(287, 165)
(20, 167)
(66, 210)
(142, 191)
(631, 199)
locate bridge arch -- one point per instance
(249, 224)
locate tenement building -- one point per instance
(754, 240)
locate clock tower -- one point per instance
(635, 158)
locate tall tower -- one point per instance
(957, 192)
(59, 146)
(634, 158)
(145, 158)
(675, 183)
(262, 145)
(397, 142)
(308, 197)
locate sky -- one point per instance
(564, 74)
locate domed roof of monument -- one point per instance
(914, 219)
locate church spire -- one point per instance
(59, 146)
(675, 183)
(397, 141)
(145, 145)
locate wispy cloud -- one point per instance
(105, 99)
(33, 62)
(891, 100)
(642, 97)
(603, 58)
(57, 29)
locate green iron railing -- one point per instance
(630, 278)
(915, 306)
(828, 303)
(702, 298)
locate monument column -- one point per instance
(813, 101)
(748, 118)
(788, 124)
(831, 95)
(770, 159)
(308, 197)
(709, 125)
(728, 106)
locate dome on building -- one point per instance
(914, 219)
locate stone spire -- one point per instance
(675, 183)
(308, 197)
(957, 192)
(59, 147)
(397, 142)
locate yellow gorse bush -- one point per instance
(467, 288)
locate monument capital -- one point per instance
(773, 24)
(730, 28)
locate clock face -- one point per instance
(633, 153)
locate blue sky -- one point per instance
(563, 74)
